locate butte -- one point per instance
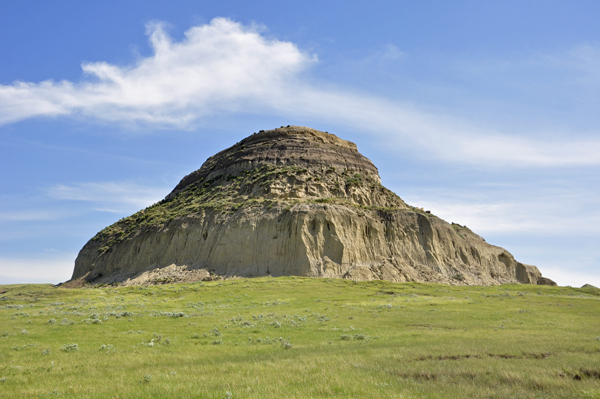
(292, 201)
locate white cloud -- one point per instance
(50, 269)
(225, 67)
(115, 197)
(214, 68)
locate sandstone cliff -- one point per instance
(291, 201)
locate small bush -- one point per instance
(69, 348)
(107, 348)
(285, 344)
(355, 180)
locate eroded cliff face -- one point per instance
(291, 201)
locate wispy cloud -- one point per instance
(98, 153)
(583, 60)
(522, 217)
(115, 197)
(392, 53)
(441, 137)
(31, 215)
(567, 276)
(517, 209)
(226, 67)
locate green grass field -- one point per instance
(300, 338)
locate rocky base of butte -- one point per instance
(291, 201)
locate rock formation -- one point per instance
(291, 201)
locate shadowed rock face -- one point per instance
(291, 201)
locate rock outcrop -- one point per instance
(291, 201)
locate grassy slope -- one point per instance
(224, 194)
(399, 340)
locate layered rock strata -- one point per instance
(291, 201)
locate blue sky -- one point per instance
(484, 112)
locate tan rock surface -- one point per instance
(291, 201)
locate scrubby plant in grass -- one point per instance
(299, 337)
(69, 348)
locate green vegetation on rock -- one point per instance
(252, 188)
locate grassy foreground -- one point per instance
(299, 338)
